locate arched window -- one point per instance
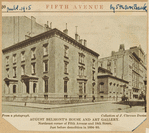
(34, 87)
(14, 88)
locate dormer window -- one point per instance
(33, 53)
(22, 56)
(14, 59)
(45, 49)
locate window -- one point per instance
(81, 71)
(22, 69)
(93, 75)
(14, 88)
(93, 63)
(45, 66)
(80, 88)
(84, 88)
(115, 63)
(34, 87)
(7, 60)
(65, 67)
(65, 86)
(81, 58)
(45, 49)
(14, 72)
(109, 65)
(33, 68)
(33, 53)
(115, 70)
(66, 48)
(14, 58)
(46, 85)
(7, 72)
(23, 56)
(92, 89)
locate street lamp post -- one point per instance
(145, 82)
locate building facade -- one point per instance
(49, 65)
(128, 65)
(110, 87)
(18, 28)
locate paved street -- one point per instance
(94, 108)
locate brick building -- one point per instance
(49, 65)
(128, 65)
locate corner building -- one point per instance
(50, 65)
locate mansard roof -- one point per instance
(46, 35)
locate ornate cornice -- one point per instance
(46, 35)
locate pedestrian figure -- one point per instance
(25, 104)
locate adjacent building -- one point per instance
(127, 65)
(110, 87)
(50, 65)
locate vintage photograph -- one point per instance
(74, 64)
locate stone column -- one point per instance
(11, 88)
(30, 87)
(23, 88)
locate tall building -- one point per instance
(18, 28)
(128, 65)
(49, 65)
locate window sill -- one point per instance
(66, 57)
(45, 55)
(82, 63)
(33, 58)
(33, 73)
(22, 61)
(45, 72)
(66, 73)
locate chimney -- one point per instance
(122, 47)
(46, 26)
(81, 41)
(85, 43)
(51, 25)
(112, 53)
(66, 31)
(33, 21)
(77, 37)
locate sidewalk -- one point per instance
(49, 106)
